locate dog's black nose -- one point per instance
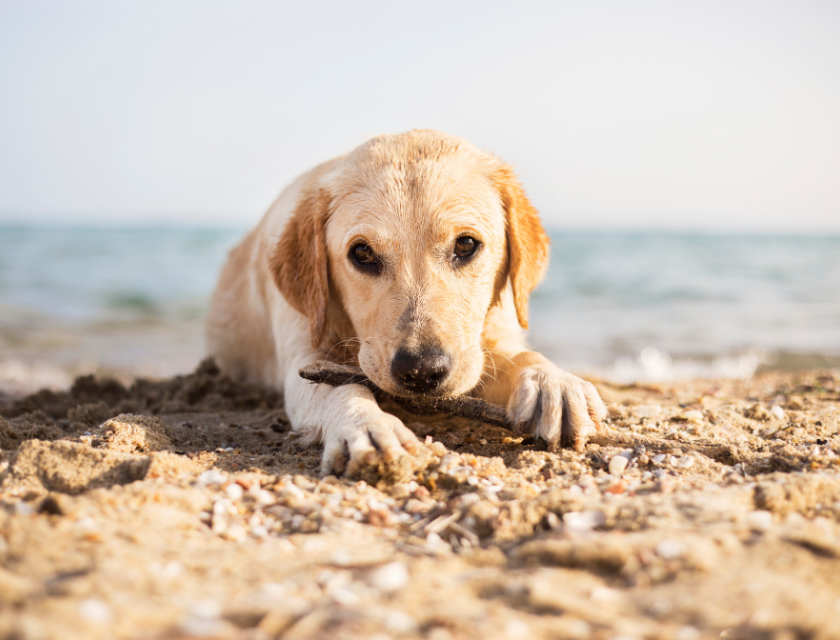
(420, 373)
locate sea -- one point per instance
(634, 306)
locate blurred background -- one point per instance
(684, 156)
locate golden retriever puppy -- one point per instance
(412, 256)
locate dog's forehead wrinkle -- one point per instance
(430, 184)
(434, 208)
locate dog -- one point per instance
(412, 256)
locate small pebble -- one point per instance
(778, 413)
(659, 458)
(223, 506)
(400, 623)
(415, 506)
(648, 410)
(235, 532)
(171, 570)
(212, 476)
(665, 485)
(669, 549)
(234, 491)
(344, 596)
(688, 633)
(388, 578)
(85, 526)
(616, 489)
(264, 498)
(439, 633)
(96, 611)
(421, 492)
(517, 629)
(760, 520)
(435, 543)
(605, 595)
(202, 618)
(583, 520)
(293, 491)
(219, 524)
(618, 464)
(686, 462)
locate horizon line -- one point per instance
(552, 228)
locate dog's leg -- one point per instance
(542, 399)
(354, 430)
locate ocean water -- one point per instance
(626, 306)
(661, 306)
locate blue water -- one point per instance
(626, 305)
(86, 275)
(618, 298)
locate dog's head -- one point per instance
(407, 244)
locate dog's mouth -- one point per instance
(401, 392)
(399, 389)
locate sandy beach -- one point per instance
(454, 196)
(186, 508)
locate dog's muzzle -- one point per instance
(420, 373)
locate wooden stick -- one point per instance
(336, 375)
(333, 374)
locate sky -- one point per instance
(713, 116)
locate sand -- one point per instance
(187, 508)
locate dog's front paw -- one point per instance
(379, 437)
(555, 406)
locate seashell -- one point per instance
(618, 464)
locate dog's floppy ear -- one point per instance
(299, 261)
(526, 239)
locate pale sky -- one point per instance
(617, 115)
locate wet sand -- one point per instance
(186, 508)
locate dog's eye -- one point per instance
(364, 257)
(363, 254)
(465, 247)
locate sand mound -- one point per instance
(128, 433)
(27, 427)
(69, 467)
(91, 400)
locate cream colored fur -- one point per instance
(289, 294)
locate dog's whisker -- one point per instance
(493, 352)
(345, 344)
(493, 362)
